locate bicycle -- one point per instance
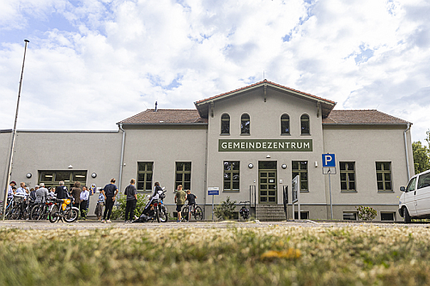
(244, 211)
(41, 211)
(63, 210)
(194, 210)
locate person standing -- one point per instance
(180, 198)
(109, 191)
(131, 193)
(21, 191)
(10, 190)
(76, 194)
(41, 194)
(84, 196)
(99, 207)
(61, 191)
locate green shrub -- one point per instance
(118, 211)
(226, 209)
(366, 213)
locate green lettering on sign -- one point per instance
(265, 145)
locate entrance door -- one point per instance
(267, 182)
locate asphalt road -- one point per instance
(92, 224)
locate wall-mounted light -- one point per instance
(316, 164)
(268, 156)
(94, 175)
(284, 166)
(250, 165)
(29, 175)
(70, 167)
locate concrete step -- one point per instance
(270, 212)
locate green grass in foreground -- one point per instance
(357, 255)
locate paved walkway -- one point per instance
(92, 224)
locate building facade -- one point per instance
(249, 143)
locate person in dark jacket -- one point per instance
(131, 194)
(109, 191)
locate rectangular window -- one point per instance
(144, 176)
(383, 176)
(347, 176)
(183, 175)
(349, 216)
(388, 216)
(231, 175)
(303, 215)
(301, 168)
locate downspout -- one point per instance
(406, 150)
(122, 157)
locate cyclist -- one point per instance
(191, 198)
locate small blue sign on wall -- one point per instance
(328, 160)
(213, 191)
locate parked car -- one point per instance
(415, 199)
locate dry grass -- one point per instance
(358, 255)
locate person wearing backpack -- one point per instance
(131, 193)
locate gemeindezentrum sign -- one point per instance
(264, 145)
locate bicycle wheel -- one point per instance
(54, 214)
(71, 214)
(198, 213)
(36, 212)
(164, 217)
(16, 212)
(184, 213)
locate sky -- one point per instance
(92, 63)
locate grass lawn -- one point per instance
(356, 255)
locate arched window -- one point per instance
(285, 124)
(225, 124)
(304, 123)
(245, 123)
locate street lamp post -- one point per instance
(9, 168)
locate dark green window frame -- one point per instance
(51, 178)
(245, 124)
(231, 175)
(383, 176)
(305, 124)
(183, 175)
(285, 124)
(301, 168)
(144, 176)
(225, 124)
(347, 176)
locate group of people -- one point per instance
(39, 194)
(106, 197)
(180, 197)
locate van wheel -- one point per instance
(407, 215)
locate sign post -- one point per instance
(329, 167)
(213, 191)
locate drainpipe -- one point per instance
(406, 150)
(122, 157)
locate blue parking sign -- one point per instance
(328, 160)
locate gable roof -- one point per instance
(326, 105)
(165, 116)
(362, 117)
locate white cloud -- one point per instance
(122, 56)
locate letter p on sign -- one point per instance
(328, 160)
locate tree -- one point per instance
(421, 155)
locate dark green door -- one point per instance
(267, 182)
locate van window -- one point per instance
(411, 186)
(424, 181)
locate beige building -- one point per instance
(249, 143)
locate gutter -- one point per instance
(122, 156)
(406, 150)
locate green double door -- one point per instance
(267, 182)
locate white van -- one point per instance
(415, 200)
